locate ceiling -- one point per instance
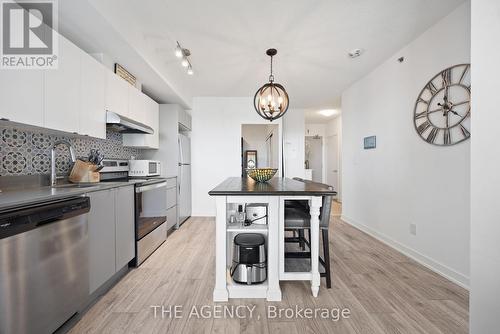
(228, 39)
(312, 116)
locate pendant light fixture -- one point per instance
(271, 100)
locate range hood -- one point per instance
(119, 123)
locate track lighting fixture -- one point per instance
(180, 52)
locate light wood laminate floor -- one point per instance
(385, 291)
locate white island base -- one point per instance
(274, 232)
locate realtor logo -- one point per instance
(28, 37)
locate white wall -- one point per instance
(216, 140)
(293, 137)
(315, 129)
(485, 162)
(334, 128)
(406, 180)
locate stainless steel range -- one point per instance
(150, 207)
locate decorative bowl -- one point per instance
(261, 174)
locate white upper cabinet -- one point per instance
(93, 88)
(151, 117)
(184, 119)
(75, 97)
(21, 96)
(153, 112)
(62, 90)
(136, 104)
(117, 91)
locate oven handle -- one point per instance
(150, 187)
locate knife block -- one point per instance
(84, 172)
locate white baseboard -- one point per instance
(424, 260)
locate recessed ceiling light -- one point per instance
(328, 112)
(355, 53)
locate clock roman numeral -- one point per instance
(432, 135)
(424, 126)
(465, 132)
(432, 88)
(466, 68)
(446, 76)
(421, 100)
(447, 137)
(421, 114)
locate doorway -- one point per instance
(332, 161)
(314, 157)
(260, 146)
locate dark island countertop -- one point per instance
(277, 186)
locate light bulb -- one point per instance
(280, 100)
(184, 62)
(190, 70)
(178, 52)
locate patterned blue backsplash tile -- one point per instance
(27, 152)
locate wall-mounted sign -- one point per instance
(124, 74)
(370, 142)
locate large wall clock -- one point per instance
(442, 110)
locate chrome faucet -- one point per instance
(53, 175)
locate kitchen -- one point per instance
(74, 158)
(166, 170)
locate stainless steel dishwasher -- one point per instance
(44, 278)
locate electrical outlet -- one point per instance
(413, 229)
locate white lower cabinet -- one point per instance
(101, 220)
(125, 226)
(172, 215)
(111, 233)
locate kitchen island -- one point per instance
(236, 191)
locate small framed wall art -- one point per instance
(370, 142)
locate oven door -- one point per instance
(150, 207)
